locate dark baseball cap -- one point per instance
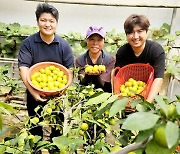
(95, 30)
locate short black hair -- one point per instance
(46, 8)
(134, 20)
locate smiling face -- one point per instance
(95, 43)
(137, 38)
(47, 24)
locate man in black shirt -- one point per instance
(140, 50)
(43, 46)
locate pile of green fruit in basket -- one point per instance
(49, 78)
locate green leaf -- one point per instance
(1, 123)
(75, 143)
(105, 150)
(122, 42)
(95, 122)
(110, 100)
(99, 99)
(178, 108)
(98, 145)
(42, 123)
(6, 108)
(172, 69)
(143, 135)
(108, 129)
(5, 89)
(140, 121)
(3, 27)
(108, 48)
(99, 113)
(153, 148)
(166, 48)
(14, 26)
(66, 131)
(2, 148)
(42, 143)
(109, 40)
(21, 139)
(37, 108)
(117, 106)
(170, 37)
(161, 103)
(11, 150)
(37, 139)
(177, 33)
(176, 58)
(61, 142)
(172, 138)
(165, 27)
(83, 44)
(135, 102)
(140, 108)
(26, 29)
(6, 50)
(19, 40)
(4, 129)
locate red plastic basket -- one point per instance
(137, 71)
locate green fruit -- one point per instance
(60, 104)
(69, 103)
(31, 137)
(102, 68)
(49, 110)
(7, 143)
(63, 152)
(85, 118)
(88, 69)
(81, 132)
(131, 152)
(106, 112)
(81, 95)
(113, 122)
(100, 121)
(35, 120)
(76, 112)
(89, 111)
(160, 136)
(91, 92)
(53, 107)
(128, 84)
(101, 135)
(84, 126)
(171, 111)
(98, 152)
(162, 112)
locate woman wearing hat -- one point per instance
(95, 55)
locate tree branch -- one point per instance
(134, 146)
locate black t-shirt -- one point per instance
(34, 50)
(153, 54)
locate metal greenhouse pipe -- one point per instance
(129, 3)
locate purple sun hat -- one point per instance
(95, 30)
